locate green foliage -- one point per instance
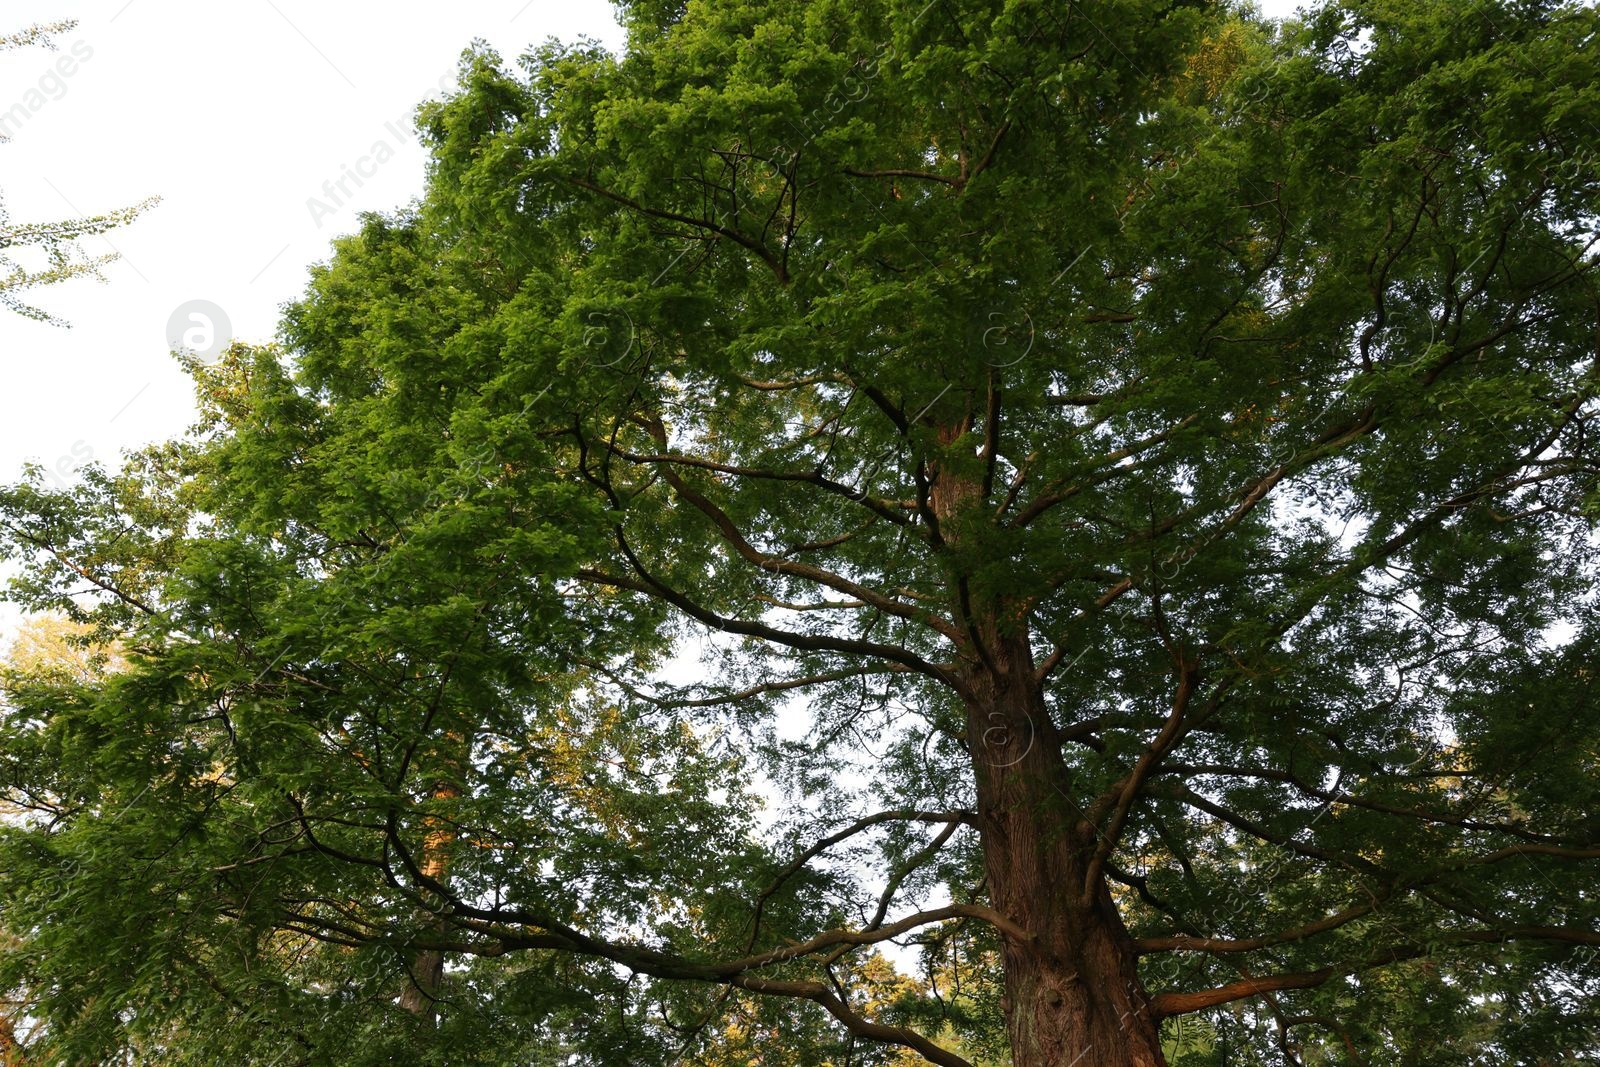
(611, 531)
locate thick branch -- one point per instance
(1168, 1004)
(856, 1024)
(860, 825)
(1188, 943)
(720, 230)
(809, 572)
(882, 508)
(1121, 796)
(650, 586)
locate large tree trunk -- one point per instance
(1072, 995)
(421, 992)
(422, 986)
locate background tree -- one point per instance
(36, 254)
(1103, 496)
(46, 649)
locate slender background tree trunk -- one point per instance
(10, 1047)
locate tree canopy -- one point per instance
(868, 533)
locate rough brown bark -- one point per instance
(1072, 994)
(422, 987)
(421, 993)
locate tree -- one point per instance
(57, 255)
(1126, 471)
(46, 647)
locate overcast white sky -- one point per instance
(236, 114)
